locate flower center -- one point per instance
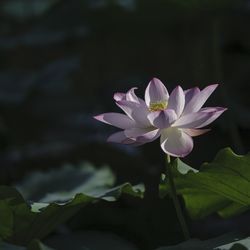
(158, 106)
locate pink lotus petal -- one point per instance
(215, 113)
(135, 111)
(199, 99)
(176, 142)
(190, 93)
(213, 109)
(149, 136)
(119, 96)
(177, 118)
(162, 119)
(177, 100)
(142, 135)
(192, 120)
(120, 137)
(128, 107)
(195, 132)
(156, 92)
(131, 96)
(116, 119)
(199, 119)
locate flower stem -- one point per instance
(176, 201)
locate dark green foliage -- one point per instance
(23, 223)
(222, 186)
(94, 209)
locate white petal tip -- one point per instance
(118, 96)
(155, 79)
(179, 88)
(98, 117)
(213, 86)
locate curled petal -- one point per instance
(119, 96)
(177, 100)
(156, 92)
(162, 119)
(143, 135)
(135, 111)
(199, 99)
(195, 132)
(116, 119)
(131, 96)
(176, 142)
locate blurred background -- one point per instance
(62, 61)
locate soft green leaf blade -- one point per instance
(6, 220)
(35, 220)
(183, 168)
(219, 185)
(232, 210)
(203, 203)
(59, 185)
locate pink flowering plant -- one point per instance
(37, 205)
(176, 118)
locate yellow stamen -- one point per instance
(157, 106)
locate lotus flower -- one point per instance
(175, 118)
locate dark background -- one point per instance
(61, 62)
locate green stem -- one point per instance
(176, 201)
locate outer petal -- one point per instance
(119, 96)
(156, 92)
(195, 132)
(115, 119)
(120, 137)
(192, 120)
(177, 100)
(176, 142)
(162, 119)
(190, 93)
(199, 99)
(135, 111)
(131, 96)
(143, 135)
(199, 119)
(215, 113)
